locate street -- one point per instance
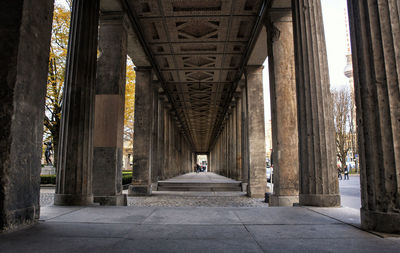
(350, 192)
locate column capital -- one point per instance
(114, 18)
(254, 69)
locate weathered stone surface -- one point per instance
(109, 110)
(256, 132)
(318, 175)
(375, 36)
(142, 144)
(25, 30)
(75, 155)
(283, 110)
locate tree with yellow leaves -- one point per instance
(129, 103)
(55, 80)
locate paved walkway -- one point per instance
(350, 192)
(196, 229)
(196, 222)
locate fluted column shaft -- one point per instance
(25, 32)
(283, 110)
(375, 36)
(160, 144)
(75, 155)
(318, 175)
(256, 131)
(239, 138)
(233, 144)
(245, 135)
(143, 135)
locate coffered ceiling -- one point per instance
(199, 47)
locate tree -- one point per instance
(342, 108)
(129, 119)
(55, 80)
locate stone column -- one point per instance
(75, 154)
(166, 143)
(318, 175)
(142, 138)
(239, 137)
(154, 141)
(160, 144)
(109, 110)
(283, 110)
(25, 30)
(245, 136)
(256, 132)
(375, 36)
(233, 143)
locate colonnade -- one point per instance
(162, 151)
(239, 151)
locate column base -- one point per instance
(380, 221)
(139, 190)
(118, 200)
(320, 200)
(256, 192)
(72, 200)
(275, 200)
(14, 220)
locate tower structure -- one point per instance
(348, 72)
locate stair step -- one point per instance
(205, 187)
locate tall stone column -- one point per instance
(238, 138)
(166, 142)
(142, 138)
(245, 136)
(109, 110)
(25, 31)
(154, 143)
(318, 175)
(160, 144)
(375, 36)
(283, 110)
(75, 154)
(256, 132)
(233, 143)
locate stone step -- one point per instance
(201, 187)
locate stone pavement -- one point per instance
(195, 222)
(193, 229)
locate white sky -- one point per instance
(335, 33)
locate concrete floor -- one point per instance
(138, 229)
(199, 229)
(350, 192)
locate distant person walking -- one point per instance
(346, 173)
(339, 173)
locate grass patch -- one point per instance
(51, 179)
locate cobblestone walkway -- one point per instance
(182, 199)
(178, 199)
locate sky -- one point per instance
(333, 12)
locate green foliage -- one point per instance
(48, 179)
(126, 179)
(51, 179)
